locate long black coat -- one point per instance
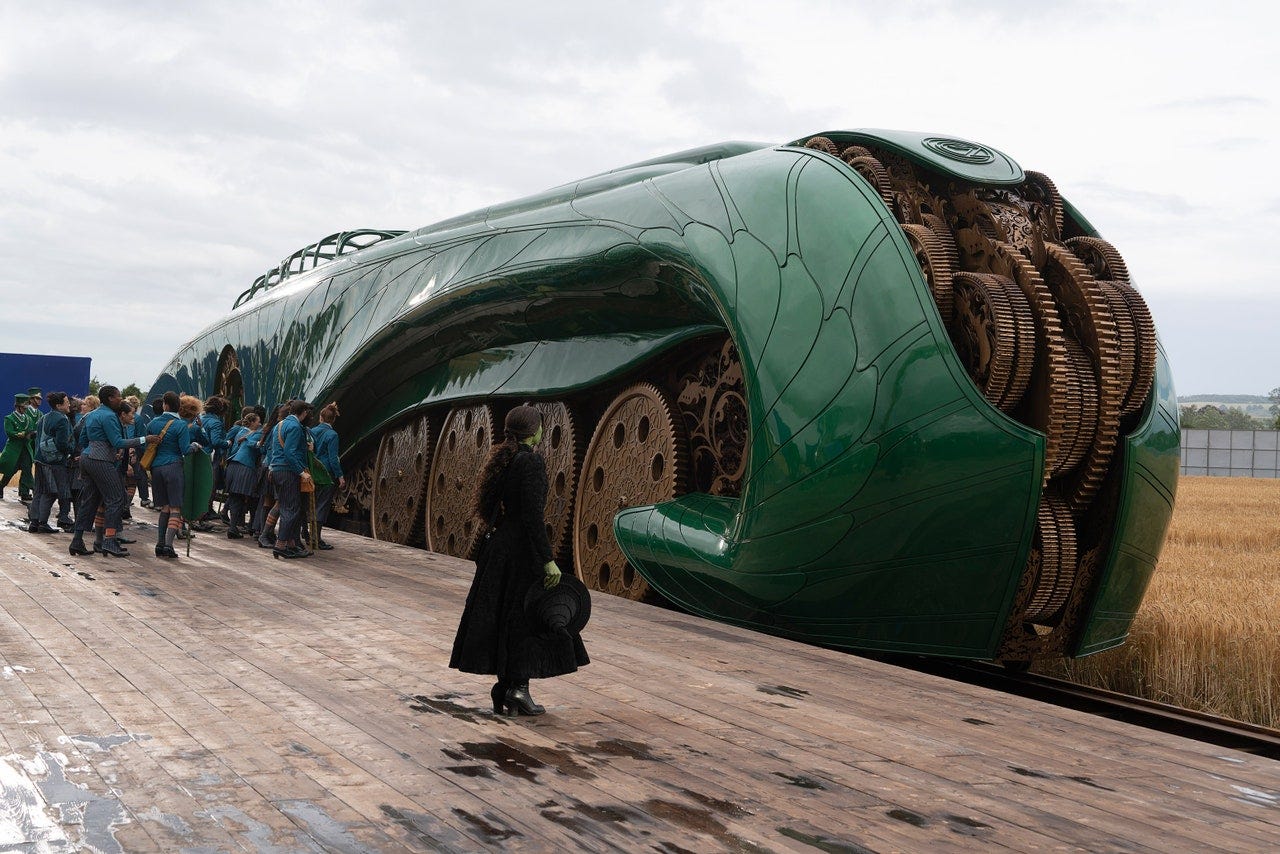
(494, 635)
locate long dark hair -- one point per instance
(277, 415)
(520, 423)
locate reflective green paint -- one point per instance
(1151, 459)
(887, 504)
(951, 155)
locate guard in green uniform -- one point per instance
(27, 482)
(19, 449)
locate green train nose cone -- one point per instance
(871, 389)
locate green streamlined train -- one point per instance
(870, 389)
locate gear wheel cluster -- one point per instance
(1051, 330)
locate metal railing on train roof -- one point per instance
(309, 257)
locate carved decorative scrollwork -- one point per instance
(713, 406)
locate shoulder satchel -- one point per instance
(319, 472)
(47, 448)
(149, 455)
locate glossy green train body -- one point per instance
(886, 504)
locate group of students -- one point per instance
(522, 618)
(93, 450)
(270, 466)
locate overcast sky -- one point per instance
(157, 157)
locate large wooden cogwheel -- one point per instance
(465, 442)
(636, 457)
(397, 480)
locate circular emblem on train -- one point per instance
(958, 149)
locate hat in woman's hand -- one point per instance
(565, 607)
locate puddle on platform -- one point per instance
(442, 704)
(491, 828)
(470, 771)
(965, 825)
(801, 781)
(690, 818)
(618, 747)
(1257, 797)
(332, 834)
(611, 815)
(725, 808)
(912, 818)
(1042, 775)
(825, 843)
(782, 691)
(978, 722)
(103, 743)
(423, 829)
(506, 758)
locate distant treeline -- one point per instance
(1225, 398)
(1201, 413)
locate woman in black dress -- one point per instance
(495, 636)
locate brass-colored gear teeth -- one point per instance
(1126, 337)
(636, 457)
(1093, 322)
(1145, 354)
(1049, 411)
(821, 143)
(1102, 259)
(1081, 424)
(399, 474)
(1039, 189)
(855, 151)
(931, 255)
(461, 452)
(994, 333)
(876, 175)
(560, 449)
(1056, 542)
(940, 230)
(1091, 318)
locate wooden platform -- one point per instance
(233, 702)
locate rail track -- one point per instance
(1199, 726)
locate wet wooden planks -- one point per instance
(234, 702)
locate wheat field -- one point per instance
(1207, 636)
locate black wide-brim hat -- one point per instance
(566, 606)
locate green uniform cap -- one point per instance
(33, 392)
(21, 398)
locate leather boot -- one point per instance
(111, 546)
(518, 701)
(77, 545)
(497, 693)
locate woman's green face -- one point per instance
(533, 440)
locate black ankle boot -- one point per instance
(111, 546)
(77, 546)
(518, 701)
(498, 693)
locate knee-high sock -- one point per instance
(171, 533)
(162, 526)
